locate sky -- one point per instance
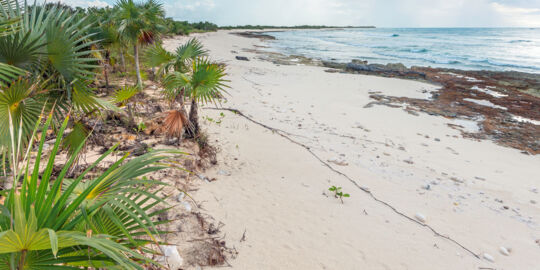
(380, 13)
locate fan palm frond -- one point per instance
(77, 136)
(157, 56)
(83, 98)
(20, 106)
(173, 84)
(22, 51)
(188, 52)
(58, 38)
(206, 81)
(122, 95)
(174, 123)
(52, 222)
(9, 26)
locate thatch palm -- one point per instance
(179, 61)
(140, 24)
(52, 45)
(51, 222)
(205, 83)
(8, 72)
(108, 35)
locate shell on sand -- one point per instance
(420, 217)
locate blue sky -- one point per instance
(381, 13)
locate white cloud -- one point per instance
(85, 3)
(382, 13)
(190, 5)
(518, 16)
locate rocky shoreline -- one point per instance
(504, 105)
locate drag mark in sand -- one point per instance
(366, 190)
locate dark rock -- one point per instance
(397, 67)
(334, 65)
(242, 58)
(251, 34)
(358, 61)
(365, 67)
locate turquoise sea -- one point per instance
(499, 49)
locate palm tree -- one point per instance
(140, 24)
(204, 83)
(108, 36)
(180, 62)
(99, 222)
(53, 46)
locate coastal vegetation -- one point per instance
(186, 28)
(260, 27)
(338, 193)
(64, 72)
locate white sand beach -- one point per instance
(272, 194)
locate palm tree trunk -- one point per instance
(131, 118)
(105, 66)
(137, 67)
(193, 127)
(123, 60)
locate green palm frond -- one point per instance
(58, 38)
(23, 51)
(190, 51)
(98, 221)
(206, 82)
(122, 95)
(51, 42)
(173, 83)
(77, 136)
(8, 71)
(157, 56)
(83, 98)
(70, 53)
(9, 27)
(23, 105)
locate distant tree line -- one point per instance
(288, 27)
(185, 28)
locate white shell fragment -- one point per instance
(488, 257)
(172, 257)
(187, 206)
(420, 217)
(504, 251)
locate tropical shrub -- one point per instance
(187, 73)
(50, 221)
(140, 24)
(204, 83)
(51, 53)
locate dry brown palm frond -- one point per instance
(174, 123)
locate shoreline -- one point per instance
(496, 87)
(261, 33)
(272, 195)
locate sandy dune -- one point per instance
(482, 195)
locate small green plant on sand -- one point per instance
(140, 127)
(338, 193)
(217, 121)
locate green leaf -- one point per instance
(54, 241)
(122, 95)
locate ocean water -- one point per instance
(500, 49)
